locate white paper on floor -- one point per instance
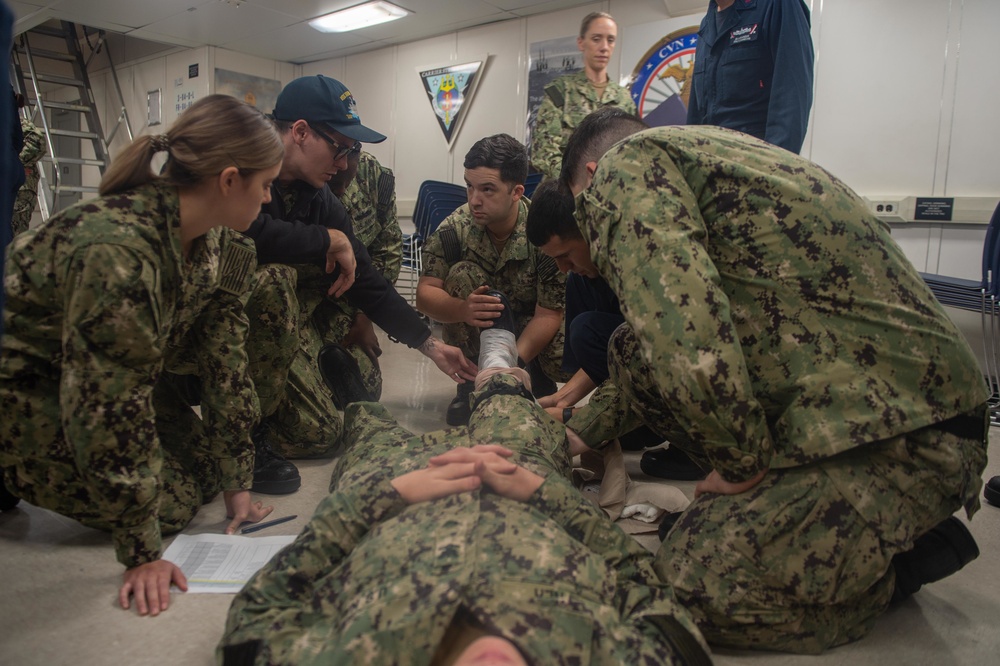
(222, 563)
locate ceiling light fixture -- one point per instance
(359, 16)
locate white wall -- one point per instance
(905, 97)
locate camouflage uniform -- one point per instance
(27, 196)
(370, 200)
(461, 254)
(284, 343)
(778, 327)
(103, 307)
(556, 121)
(296, 405)
(372, 580)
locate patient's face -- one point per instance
(490, 651)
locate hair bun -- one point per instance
(160, 142)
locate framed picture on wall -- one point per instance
(254, 90)
(547, 61)
(450, 90)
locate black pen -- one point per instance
(270, 523)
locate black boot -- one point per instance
(948, 547)
(541, 384)
(459, 410)
(667, 524)
(992, 491)
(342, 376)
(505, 322)
(7, 500)
(639, 439)
(272, 474)
(671, 463)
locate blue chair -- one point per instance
(982, 296)
(433, 198)
(531, 182)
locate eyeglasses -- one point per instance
(339, 150)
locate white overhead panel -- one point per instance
(685, 7)
(275, 29)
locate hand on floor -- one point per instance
(241, 508)
(150, 585)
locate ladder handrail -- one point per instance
(41, 109)
(91, 130)
(123, 113)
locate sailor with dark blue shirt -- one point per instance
(753, 70)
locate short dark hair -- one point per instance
(551, 214)
(502, 152)
(592, 138)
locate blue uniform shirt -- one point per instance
(753, 70)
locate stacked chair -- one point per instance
(982, 296)
(436, 200)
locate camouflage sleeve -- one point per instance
(547, 140)
(605, 416)
(229, 406)
(34, 143)
(551, 284)
(388, 257)
(277, 593)
(434, 263)
(111, 359)
(628, 103)
(671, 294)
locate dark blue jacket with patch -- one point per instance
(753, 70)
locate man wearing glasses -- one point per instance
(307, 251)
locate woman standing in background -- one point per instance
(571, 98)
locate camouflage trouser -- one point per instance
(283, 345)
(333, 320)
(44, 470)
(273, 310)
(464, 278)
(372, 439)
(802, 561)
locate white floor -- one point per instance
(59, 580)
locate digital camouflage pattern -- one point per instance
(104, 314)
(27, 196)
(554, 124)
(521, 271)
(771, 305)
(372, 580)
(803, 561)
(296, 406)
(773, 324)
(370, 200)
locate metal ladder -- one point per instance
(62, 65)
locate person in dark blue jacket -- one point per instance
(11, 172)
(753, 70)
(307, 250)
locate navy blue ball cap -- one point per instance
(325, 101)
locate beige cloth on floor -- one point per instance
(618, 491)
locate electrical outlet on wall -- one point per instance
(887, 209)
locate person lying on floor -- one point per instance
(460, 547)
